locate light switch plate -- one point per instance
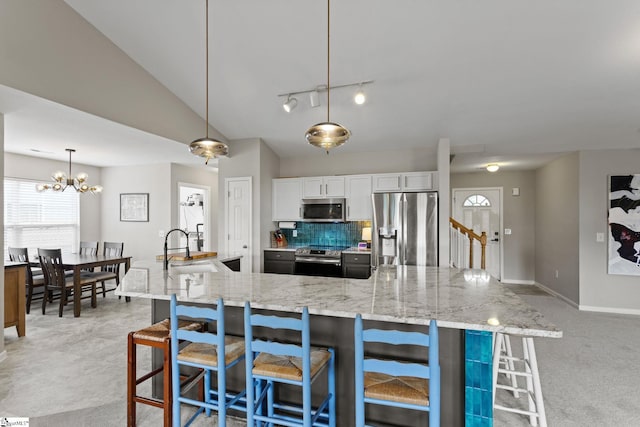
(515, 191)
(507, 231)
(599, 237)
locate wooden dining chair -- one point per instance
(55, 279)
(33, 280)
(89, 248)
(107, 272)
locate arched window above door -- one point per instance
(476, 200)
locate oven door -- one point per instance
(310, 266)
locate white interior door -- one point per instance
(480, 209)
(238, 220)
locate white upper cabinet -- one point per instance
(286, 195)
(410, 181)
(319, 187)
(358, 194)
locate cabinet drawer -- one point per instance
(279, 255)
(357, 259)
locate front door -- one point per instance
(238, 220)
(480, 209)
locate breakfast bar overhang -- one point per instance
(469, 306)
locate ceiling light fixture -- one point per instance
(208, 147)
(64, 181)
(314, 93)
(290, 104)
(360, 98)
(493, 167)
(327, 135)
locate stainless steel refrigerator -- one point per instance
(405, 229)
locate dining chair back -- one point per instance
(208, 352)
(270, 362)
(89, 248)
(402, 384)
(55, 279)
(111, 271)
(33, 279)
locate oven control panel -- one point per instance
(323, 253)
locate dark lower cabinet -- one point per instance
(281, 262)
(356, 266)
(233, 264)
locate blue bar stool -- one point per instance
(395, 383)
(208, 352)
(269, 363)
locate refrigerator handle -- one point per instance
(403, 208)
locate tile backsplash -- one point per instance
(312, 233)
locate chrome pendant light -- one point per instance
(63, 181)
(208, 147)
(327, 135)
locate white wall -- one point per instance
(557, 213)
(35, 168)
(598, 290)
(518, 215)
(141, 239)
(250, 157)
(269, 169)
(3, 354)
(345, 163)
(49, 50)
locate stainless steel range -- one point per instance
(319, 261)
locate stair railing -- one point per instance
(458, 235)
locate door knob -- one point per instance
(244, 246)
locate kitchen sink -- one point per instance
(196, 267)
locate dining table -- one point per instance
(77, 262)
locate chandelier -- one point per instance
(63, 181)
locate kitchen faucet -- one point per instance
(166, 249)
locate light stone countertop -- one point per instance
(459, 299)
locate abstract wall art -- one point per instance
(624, 224)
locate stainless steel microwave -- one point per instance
(323, 210)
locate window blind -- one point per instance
(39, 220)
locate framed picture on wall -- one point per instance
(134, 207)
(624, 224)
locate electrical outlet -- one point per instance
(295, 233)
(160, 233)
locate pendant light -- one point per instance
(208, 147)
(327, 135)
(63, 181)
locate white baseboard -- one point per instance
(632, 311)
(3, 356)
(558, 295)
(518, 282)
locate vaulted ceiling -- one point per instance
(502, 79)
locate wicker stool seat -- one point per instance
(410, 390)
(156, 336)
(289, 367)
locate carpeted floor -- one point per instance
(72, 372)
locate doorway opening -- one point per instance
(194, 215)
(480, 209)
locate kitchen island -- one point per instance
(469, 306)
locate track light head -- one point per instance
(290, 104)
(360, 98)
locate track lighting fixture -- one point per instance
(314, 94)
(289, 104)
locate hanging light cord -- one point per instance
(328, 57)
(206, 47)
